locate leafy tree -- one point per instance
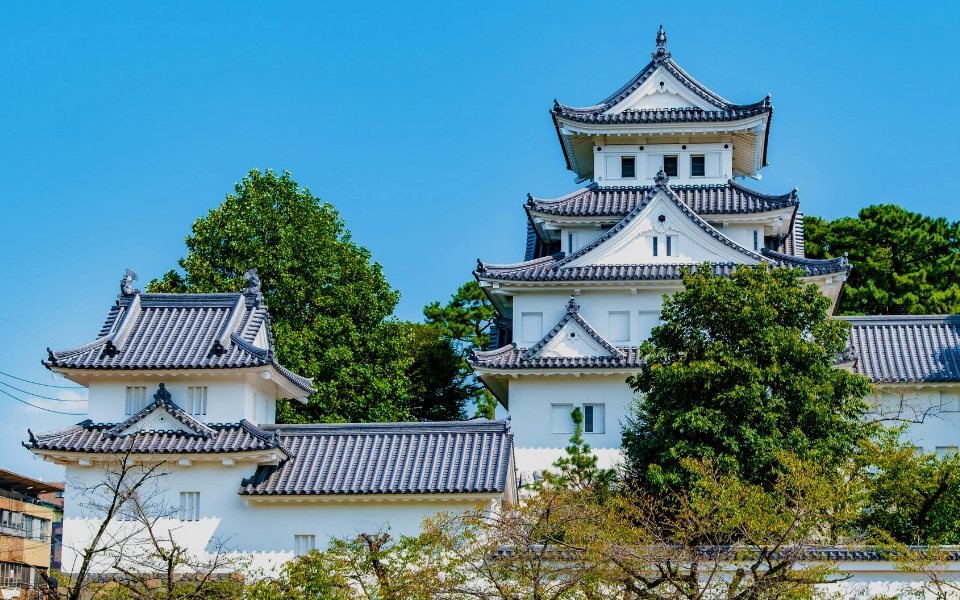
(577, 469)
(330, 304)
(739, 371)
(439, 390)
(904, 263)
(466, 319)
(911, 497)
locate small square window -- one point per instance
(593, 418)
(189, 506)
(946, 450)
(561, 419)
(670, 166)
(697, 166)
(531, 327)
(628, 167)
(618, 326)
(304, 544)
(197, 400)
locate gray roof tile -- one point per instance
(573, 314)
(179, 331)
(595, 201)
(390, 458)
(906, 349)
(102, 438)
(513, 357)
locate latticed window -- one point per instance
(189, 506)
(628, 167)
(303, 544)
(670, 166)
(136, 399)
(698, 166)
(197, 400)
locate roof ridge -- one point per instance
(482, 266)
(284, 429)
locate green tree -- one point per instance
(331, 305)
(739, 371)
(466, 319)
(904, 263)
(439, 387)
(912, 497)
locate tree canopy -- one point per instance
(330, 303)
(466, 320)
(740, 371)
(904, 263)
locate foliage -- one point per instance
(466, 319)
(911, 497)
(739, 371)
(330, 304)
(577, 469)
(903, 262)
(439, 387)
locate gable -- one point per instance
(261, 341)
(158, 420)
(661, 90)
(691, 240)
(572, 341)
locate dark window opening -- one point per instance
(697, 167)
(670, 166)
(588, 419)
(628, 167)
(669, 245)
(655, 246)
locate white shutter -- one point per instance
(648, 320)
(711, 164)
(613, 167)
(654, 164)
(561, 420)
(618, 327)
(950, 401)
(531, 327)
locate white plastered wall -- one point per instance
(263, 530)
(230, 397)
(531, 407)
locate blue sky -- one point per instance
(424, 124)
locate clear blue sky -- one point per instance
(424, 124)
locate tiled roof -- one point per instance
(661, 115)
(101, 438)
(554, 268)
(512, 357)
(595, 201)
(390, 458)
(179, 331)
(905, 348)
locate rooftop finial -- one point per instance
(661, 52)
(572, 306)
(661, 177)
(253, 286)
(126, 284)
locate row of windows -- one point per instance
(698, 166)
(14, 575)
(618, 325)
(23, 525)
(137, 400)
(594, 418)
(672, 245)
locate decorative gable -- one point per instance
(661, 230)
(572, 337)
(162, 415)
(661, 90)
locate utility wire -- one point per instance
(61, 387)
(12, 324)
(40, 407)
(42, 397)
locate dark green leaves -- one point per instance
(904, 263)
(740, 371)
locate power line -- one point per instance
(42, 397)
(59, 412)
(12, 324)
(61, 387)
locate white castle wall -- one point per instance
(264, 531)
